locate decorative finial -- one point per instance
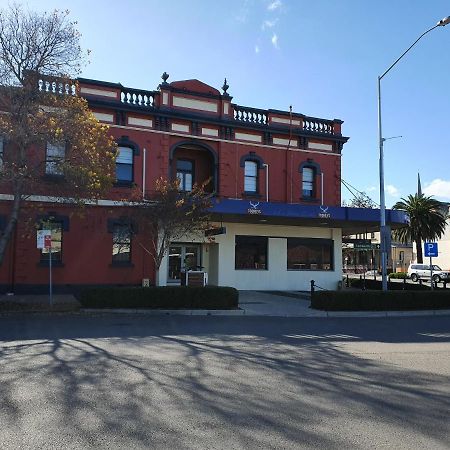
(164, 77)
(225, 87)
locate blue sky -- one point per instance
(321, 56)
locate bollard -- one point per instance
(404, 284)
(420, 281)
(435, 284)
(312, 287)
(347, 282)
(445, 284)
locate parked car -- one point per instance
(416, 271)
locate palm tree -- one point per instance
(427, 221)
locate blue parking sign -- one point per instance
(431, 249)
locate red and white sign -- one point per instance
(44, 238)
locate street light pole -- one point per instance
(383, 230)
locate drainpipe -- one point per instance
(143, 172)
(267, 181)
(321, 188)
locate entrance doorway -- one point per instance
(183, 257)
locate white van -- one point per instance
(416, 271)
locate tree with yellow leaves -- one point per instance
(50, 143)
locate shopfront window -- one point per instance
(251, 253)
(309, 254)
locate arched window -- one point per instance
(127, 150)
(251, 164)
(251, 176)
(124, 165)
(309, 170)
(185, 174)
(308, 182)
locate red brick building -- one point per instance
(275, 176)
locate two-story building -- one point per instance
(275, 177)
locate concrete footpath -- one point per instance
(251, 303)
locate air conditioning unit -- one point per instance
(145, 282)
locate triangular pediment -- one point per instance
(194, 86)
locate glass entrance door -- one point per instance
(182, 257)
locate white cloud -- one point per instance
(269, 24)
(275, 40)
(371, 189)
(438, 188)
(392, 190)
(257, 49)
(274, 5)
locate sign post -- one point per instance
(431, 250)
(44, 240)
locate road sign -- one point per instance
(364, 246)
(431, 249)
(43, 236)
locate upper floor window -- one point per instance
(121, 250)
(55, 154)
(185, 174)
(124, 165)
(308, 176)
(251, 176)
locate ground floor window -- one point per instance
(251, 252)
(309, 254)
(121, 249)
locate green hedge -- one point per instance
(380, 301)
(398, 275)
(393, 286)
(165, 297)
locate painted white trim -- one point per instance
(183, 102)
(210, 132)
(281, 141)
(317, 146)
(104, 117)
(100, 92)
(68, 201)
(286, 121)
(165, 98)
(247, 137)
(126, 127)
(226, 108)
(140, 122)
(180, 127)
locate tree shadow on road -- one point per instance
(122, 387)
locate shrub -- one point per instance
(380, 301)
(369, 283)
(164, 297)
(398, 275)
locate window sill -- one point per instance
(251, 194)
(45, 263)
(309, 199)
(123, 184)
(121, 264)
(53, 177)
(259, 270)
(310, 270)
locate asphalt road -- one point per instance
(117, 381)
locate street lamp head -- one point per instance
(443, 22)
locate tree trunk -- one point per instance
(419, 251)
(11, 224)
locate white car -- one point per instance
(416, 271)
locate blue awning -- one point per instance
(350, 219)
